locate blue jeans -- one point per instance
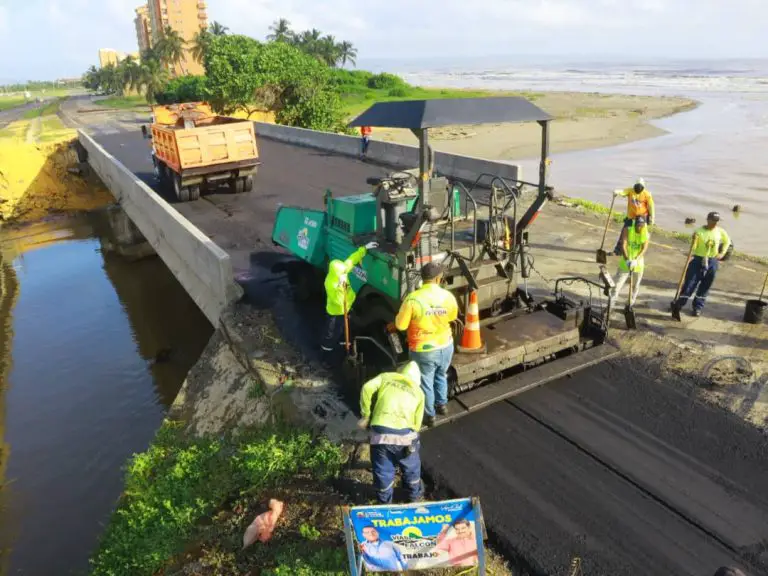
(386, 458)
(700, 280)
(434, 365)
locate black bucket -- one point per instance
(754, 311)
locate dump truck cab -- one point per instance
(478, 232)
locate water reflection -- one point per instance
(94, 349)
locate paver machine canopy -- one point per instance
(471, 227)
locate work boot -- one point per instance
(429, 421)
(696, 313)
(441, 409)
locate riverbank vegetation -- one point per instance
(187, 502)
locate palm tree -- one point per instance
(218, 29)
(281, 31)
(170, 48)
(201, 43)
(347, 53)
(153, 78)
(327, 50)
(130, 72)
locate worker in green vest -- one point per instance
(339, 293)
(395, 421)
(710, 248)
(634, 244)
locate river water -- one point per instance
(94, 350)
(711, 159)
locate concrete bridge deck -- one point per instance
(615, 465)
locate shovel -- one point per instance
(629, 313)
(602, 255)
(676, 302)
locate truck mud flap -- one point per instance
(474, 400)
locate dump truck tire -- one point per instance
(194, 192)
(248, 183)
(237, 185)
(181, 192)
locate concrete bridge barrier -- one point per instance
(202, 268)
(464, 168)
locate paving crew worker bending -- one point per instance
(339, 294)
(427, 314)
(639, 203)
(395, 424)
(711, 244)
(634, 244)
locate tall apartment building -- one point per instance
(187, 17)
(143, 28)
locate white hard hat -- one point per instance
(640, 181)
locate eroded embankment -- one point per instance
(40, 173)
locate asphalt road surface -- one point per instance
(613, 464)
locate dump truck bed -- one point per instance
(196, 141)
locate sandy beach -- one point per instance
(582, 121)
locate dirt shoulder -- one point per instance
(582, 121)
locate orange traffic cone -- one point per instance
(471, 341)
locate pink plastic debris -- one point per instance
(263, 526)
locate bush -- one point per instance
(386, 81)
(350, 78)
(183, 89)
(398, 92)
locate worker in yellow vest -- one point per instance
(339, 294)
(639, 203)
(427, 314)
(395, 423)
(712, 243)
(634, 244)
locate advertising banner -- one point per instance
(417, 536)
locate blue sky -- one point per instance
(41, 39)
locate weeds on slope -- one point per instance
(185, 492)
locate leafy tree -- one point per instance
(183, 89)
(244, 74)
(217, 29)
(347, 53)
(281, 31)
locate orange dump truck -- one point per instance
(194, 149)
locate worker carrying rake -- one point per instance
(639, 203)
(339, 298)
(634, 243)
(427, 314)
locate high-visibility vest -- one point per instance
(635, 242)
(708, 242)
(337, 283)
(427, 314)
(399, 399)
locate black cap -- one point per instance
(430, 271)
(729, 571)
(714, 216)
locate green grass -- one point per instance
(8, 102)
(201, 493)
(123, 102)
(359, 89)
(358, 100)
(47, 110)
